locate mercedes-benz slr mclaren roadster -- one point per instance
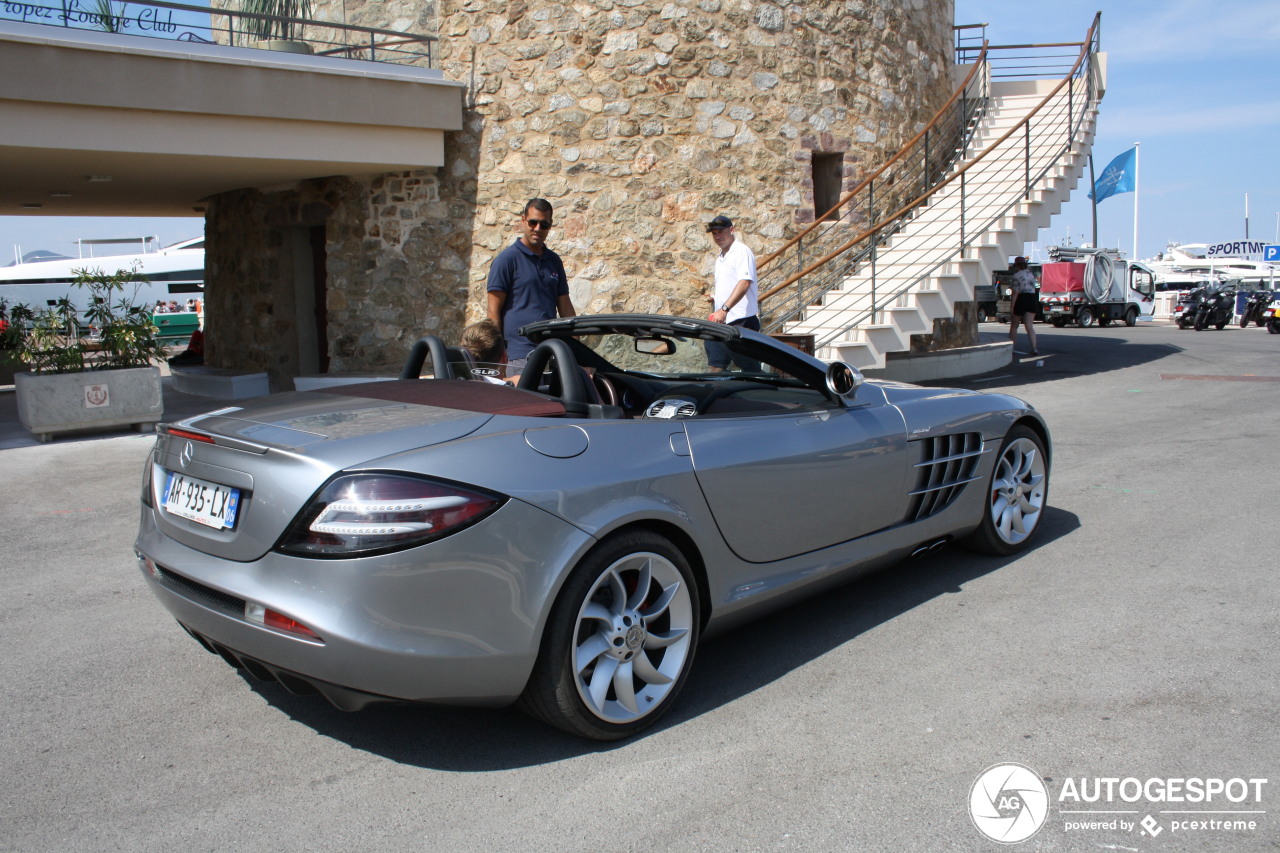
(565, 539)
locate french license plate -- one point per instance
(206, 503)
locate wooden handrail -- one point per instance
(883, 223)
(902, 152)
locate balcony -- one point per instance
(154, 110)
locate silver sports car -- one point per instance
(563, 539)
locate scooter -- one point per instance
(1258, 301)
(1216, 309)
(1184, 314)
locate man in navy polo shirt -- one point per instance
(527, 283)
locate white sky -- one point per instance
(1196, 82)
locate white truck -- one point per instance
(1087, 286)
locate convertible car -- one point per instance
(565, 539)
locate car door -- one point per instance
(782, 485)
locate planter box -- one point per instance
(96, 399)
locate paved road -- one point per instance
(1137, 640)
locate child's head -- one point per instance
(484, 341)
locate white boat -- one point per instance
(1182, 266)
(171, 274)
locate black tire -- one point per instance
(1220, 326)
(1085, 318)
(1273, 326)
(1058, 322)
(1244, 320)
(636, 648)
(1184, 323)
(1015, 497)
(1131, 317)
(1202, 320)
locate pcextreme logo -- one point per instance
(1010, 803)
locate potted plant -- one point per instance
(88, 369)
(281, 31)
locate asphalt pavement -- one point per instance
(1136, 641)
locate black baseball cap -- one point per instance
(720, 222)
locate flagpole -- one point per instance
(1093, 191)
(1135, 200)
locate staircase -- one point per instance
(1023, 150)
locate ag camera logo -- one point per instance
(1008, 803)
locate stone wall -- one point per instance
(638, 119)
(395, 264)
(642, 120)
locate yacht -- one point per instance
(1182, 266)
(174, 273)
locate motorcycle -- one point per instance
(1271, 316)
(1184, 314)
(1258, 302)
(1216, 309)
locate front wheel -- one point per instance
(1016, 495)
(1085, 318)
(1273, 326)
(1244, 320)
(1202, 321)
(1131, 317)
(619, 641)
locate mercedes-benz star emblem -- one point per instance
(188, 453)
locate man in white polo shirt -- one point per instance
(735, 298)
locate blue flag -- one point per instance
(1120, 176)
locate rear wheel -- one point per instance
(1220, 326)
(1085, 318)
(1016, 496)
(619, 642)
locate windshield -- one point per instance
(675, 357)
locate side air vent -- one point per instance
(945, 463)
(668, 409)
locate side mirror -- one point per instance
(843, 380)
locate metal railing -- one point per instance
(977, 195)
(804, 263)
(216, 26)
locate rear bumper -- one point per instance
(457, 621)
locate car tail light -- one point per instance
(364, 514)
